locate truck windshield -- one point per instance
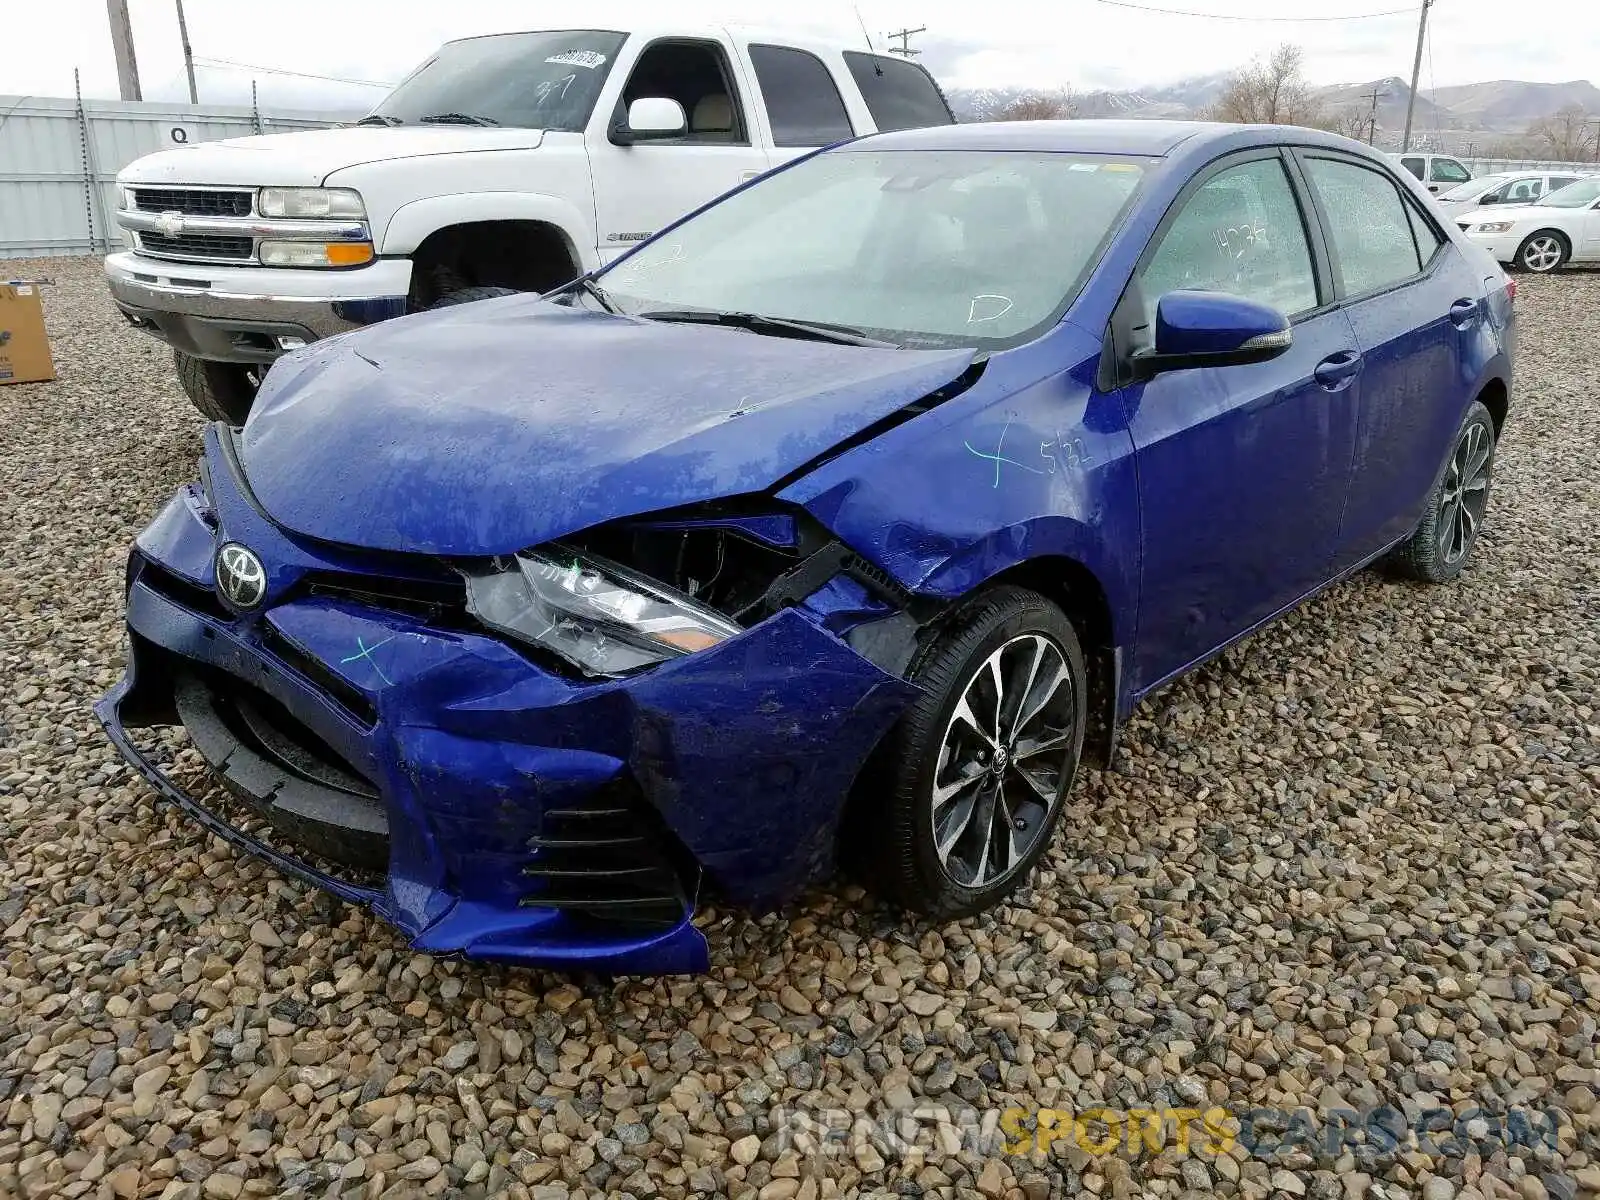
(529, 80)
(918, 248)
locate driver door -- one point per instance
(640, 189)
(1242, 470)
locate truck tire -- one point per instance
(468, 295)
(221, 391)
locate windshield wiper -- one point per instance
(780, 326)
(586, 283)
(456, 119)
(380, 119)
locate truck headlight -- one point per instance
(599, 616)
(310, 202)
(1494, 227)
(314, 254)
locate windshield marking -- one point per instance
(578, 58)
(972, 308)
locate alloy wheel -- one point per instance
(1466, 493)
(1542, 253)
(1006, 750)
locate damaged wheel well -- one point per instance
(530, 256)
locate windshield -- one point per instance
(1474, 187)
(1575, 195)
(531, 80)
(918, 248)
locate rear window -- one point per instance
(899, 94)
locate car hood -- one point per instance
(306, 158)
(490, 427)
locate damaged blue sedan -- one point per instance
(837, 523)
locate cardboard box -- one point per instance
(24, 348)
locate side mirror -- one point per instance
(1211, 329)
(651, 118)
(1488, 198)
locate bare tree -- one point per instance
(1055, 105)
(1270, 92)
(1567, 136)
(1352, 122)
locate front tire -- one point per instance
(469, 295)
(221, 391)
(973, 777)
(1438, 549)
(1542, 252)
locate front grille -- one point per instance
(440, 599)
(212, 247)
(610, 860)
(194, 202)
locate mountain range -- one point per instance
(1453, 116)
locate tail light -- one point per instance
(1511, 289)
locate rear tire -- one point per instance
(469, 295)
(221, 391)
(966, 791)
(1542, 252)
(1438, 549)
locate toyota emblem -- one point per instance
(169, 223)
(241, 578)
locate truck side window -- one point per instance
(696, 75)
(1414, 165)
(802, 101)
(899, 94)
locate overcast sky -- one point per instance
(1085, 44)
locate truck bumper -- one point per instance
(239, 314)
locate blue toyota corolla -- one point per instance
(839, 521)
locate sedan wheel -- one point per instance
(1542, 252)
(1438, 548)
(1006, 746)
(965, 791)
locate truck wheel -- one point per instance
(468, 295)
(221, 391)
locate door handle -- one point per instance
(1463, 313)
(1338, 370)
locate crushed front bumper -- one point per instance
(492, 774)
(238, 314)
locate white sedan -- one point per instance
(1562, 227)
(1504, 188)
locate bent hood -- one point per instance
(306, 158)
(487, 428)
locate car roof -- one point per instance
(1103, 136)
(697, 30)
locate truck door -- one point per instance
(641, 188)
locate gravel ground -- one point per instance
(1351, 863)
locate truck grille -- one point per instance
(194, 202)
(197, 247)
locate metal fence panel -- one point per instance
(49, 156)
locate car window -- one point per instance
(1414, 165)
(1561, 181)
(1448, 170)
(899, 94)
(803, 104)
(696, 75)
(1242, 233)
(1472, 189)
(1367, 222)
(1522, 190)
(1427, 239)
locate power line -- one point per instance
(905, 49)
(1216, 16)
(239, 66)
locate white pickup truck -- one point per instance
(512, 161)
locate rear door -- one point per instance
(643, 187)
(1412, 300)
(800, 100)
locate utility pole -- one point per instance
(1372, 113)
(122, 47)
(904, 49)
(1416, 74)
(188, 54)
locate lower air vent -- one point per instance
(610, 860)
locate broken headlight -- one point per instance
(601, 617)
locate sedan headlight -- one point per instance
(1494, 227)
(599, 616)
(310, 202)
